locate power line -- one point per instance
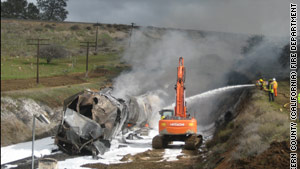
(87, 45)
(97, 25)
(131, 30)
(38, 43)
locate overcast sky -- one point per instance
(240, 16)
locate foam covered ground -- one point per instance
(117, 151)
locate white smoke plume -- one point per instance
(154, 57)
(209, 58)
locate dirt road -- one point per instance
(75, 78)
(154, 159)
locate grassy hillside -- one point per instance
(22, 68)
(18, 60)
(260, 127)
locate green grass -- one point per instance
(55, 96)
(18, 59)
(22, 68)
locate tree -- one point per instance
(53, 10)
(14, 9)
(32, 12)
(53, 52)
(19, 9)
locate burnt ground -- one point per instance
(70, 79)
(276, 156)
(153, 159)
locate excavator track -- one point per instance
(193, 142)
(159, 142)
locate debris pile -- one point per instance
(90, 120)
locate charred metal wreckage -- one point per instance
(91, 119)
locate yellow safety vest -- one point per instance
(275, 85)
(299, 98)
(271, 87)
(264, 84)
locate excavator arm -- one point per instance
(180, 108)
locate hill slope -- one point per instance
(18, 58)
(257, 137)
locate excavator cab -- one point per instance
(166, 113)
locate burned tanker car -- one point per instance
(91, 119)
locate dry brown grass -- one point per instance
(261, 123)
(13, 131)
(249, 146)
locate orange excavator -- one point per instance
(178, 126)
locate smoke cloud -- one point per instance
(210, 59)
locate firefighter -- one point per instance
(258, 83)
(261, 82)
(271, 90)
(265, 85)
(275, 87)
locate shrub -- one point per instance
(52, 51)
(38, 29)
(250, 146)
(120, 27)
(219, 149)
(81, 51)
(106, 39)
(245, 118)
(260, 130)
(224, 135)
(267, 130)
(75, 27)
(88, 28)
(210, 143)
(49, 26)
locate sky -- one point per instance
(269, 17)
(240, 16)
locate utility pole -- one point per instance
(132, 26)
(32, 143)
(87, 45)
(42, 119)
(38, 43)
(97, 25)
